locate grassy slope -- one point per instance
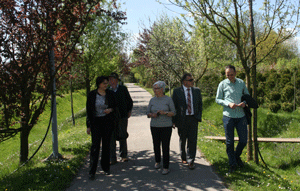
(73, 145)
(282, 159)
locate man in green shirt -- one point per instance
(229, 94)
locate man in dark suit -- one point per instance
(188, 105)
(124, 104)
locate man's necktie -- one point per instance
(189, 106)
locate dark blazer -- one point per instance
(91, 109)
(181, 106)
(124, 101)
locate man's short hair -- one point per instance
(184, 76)
(230, 67)
(114, 75)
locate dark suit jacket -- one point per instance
(181, 106)
(124, 101)
(91, 109)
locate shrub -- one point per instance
(287, 93)
(270, 83)
(274, 107)
(274, 96)
(286, 106)
(260, 100)
(285, 79)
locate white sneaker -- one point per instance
(165, 171)
(157, 165)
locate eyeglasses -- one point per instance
(190, 80)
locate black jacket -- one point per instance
(250, 103)
(91, 109)
(124, 101)
(181, 106)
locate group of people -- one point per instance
(108, 110)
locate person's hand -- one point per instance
(88, 130)
(174, 125)
(108, 110)
(161, 112)
(153, 115)
(242, 104)
(232, 105)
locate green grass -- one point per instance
(282, 159)
(39, 174)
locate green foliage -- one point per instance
(209, 83)
(276, 89)
(274, 96)
(274, 107)
(286, 106)
(288, 92)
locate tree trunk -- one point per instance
(24, 143)
(87, 80)
(249, 145)
(254, 116)
(253, 76)
(72, 108)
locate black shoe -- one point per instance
(239, 162)
(92, 176)
(113, 162)
(232, 169)
(191, 166)
(106, 172)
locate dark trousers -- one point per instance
(123, 123)
(162, 136)
(241, 127)
(101, 132)
(188, 134)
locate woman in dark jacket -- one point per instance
(100, 108)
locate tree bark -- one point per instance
(72, 107)
(254, 88)
(24, 143)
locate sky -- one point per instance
(139, 12)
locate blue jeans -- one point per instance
(241, 127)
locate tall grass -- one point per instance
(282, 159)
(41, 174)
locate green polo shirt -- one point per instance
(229, 92)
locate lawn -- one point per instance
(282, 159)
(281, 171)
(41, 174)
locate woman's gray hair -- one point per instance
(160, 84)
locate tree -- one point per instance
(231, 19)
(101, 45)
(29, 30)
(170, 50)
